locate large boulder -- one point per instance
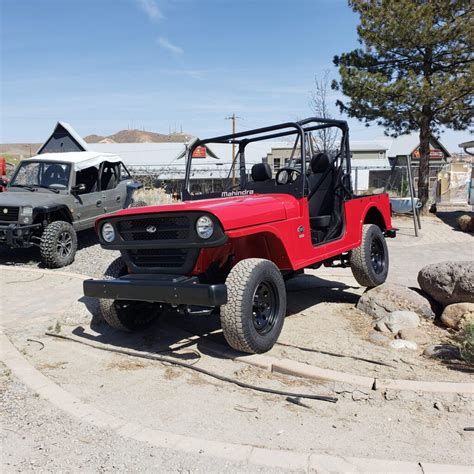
(382, 300)
(448, 282)
(457, 314)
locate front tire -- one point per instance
(252, 318)
(369, 261)
(125, 315)
(58, 245)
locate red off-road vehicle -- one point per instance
(232, 249)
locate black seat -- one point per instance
(109, 179)
(55, 174)
(321, 192)
(89, 177)
(261, 172)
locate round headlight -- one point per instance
(108, 232)
(204, 227)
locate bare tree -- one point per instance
(327, 139)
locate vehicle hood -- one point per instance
(233, 212)
(29, 198)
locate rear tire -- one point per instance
(253, 317)
(370, 261)
(126, 315)
(58, 244)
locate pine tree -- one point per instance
(414, 71)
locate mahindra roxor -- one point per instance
(231, 248)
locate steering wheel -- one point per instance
(286, 175)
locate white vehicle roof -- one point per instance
(78, 159)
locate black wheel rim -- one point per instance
(64, 245)
(377, 256)
(264, 307)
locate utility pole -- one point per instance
(234, 118)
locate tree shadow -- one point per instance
(8, 256)
(175, 333)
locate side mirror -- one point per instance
(78, 189)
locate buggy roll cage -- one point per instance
(300, 128)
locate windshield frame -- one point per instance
(299, 129)
(69, 172)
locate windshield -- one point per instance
(42, 174)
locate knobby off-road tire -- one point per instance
(125, 315)
(247, 325)
(370, 262)
(58, 245)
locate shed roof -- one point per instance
(70, 130)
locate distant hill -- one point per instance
(138, 136)
(24, 150)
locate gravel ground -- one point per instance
(90, 259)
(37, 438)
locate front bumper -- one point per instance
(171, 289)
(17, 235)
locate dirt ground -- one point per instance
(322, 328)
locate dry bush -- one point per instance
(153, 196)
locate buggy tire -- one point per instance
(370, 261)
(125, 315)
(252, 318)
(58, 244)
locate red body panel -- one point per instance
(276, 227)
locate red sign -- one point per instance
(200, 152)
(435, 154)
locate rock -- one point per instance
(379, 338)
(465, 223)
(457, 314)
(400, 320)
(402, 344)
(387, 298)
(358, 395)
(439, 406)
(442, 351)
(448, 282)
(414, 335)
(380, 326)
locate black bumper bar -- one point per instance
(16, 235)
(171, 289)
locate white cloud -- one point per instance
(166, 44)
(151, 8)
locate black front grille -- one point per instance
(9, 214)
(155, 228)
(154, 258)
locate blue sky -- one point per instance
(106, 65)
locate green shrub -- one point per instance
(466, 342)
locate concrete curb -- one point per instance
(307, 462)
(299, 369)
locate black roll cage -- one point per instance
(300, 128)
